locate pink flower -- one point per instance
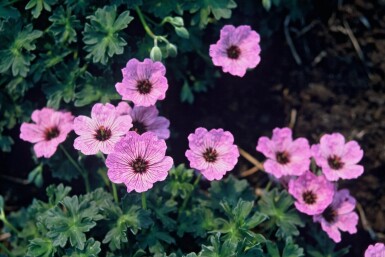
(100, 132)
(139, 161)
(339, 215)
(146, 119)
(337, 159)
(312, 193)
(212, 152)
(51, 129)
(123, 108)
(236, 50)
(143, 82)
(377, 250)
(285, 156)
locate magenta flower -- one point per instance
(337, 158)
(377, 250)
(212, 152)
(139, 161)
(143, 82)
(146, 119)
(100, 132)
(51, 129)
(339, 215)
(285, 156)
(236, 50)
(312, 193)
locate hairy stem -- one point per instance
(144, 23)
(144, 201)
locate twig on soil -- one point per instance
(249, 171)
(290, 41)
(365, 223)
(293, 118)
(307, 28)
(251, 159)
(15, 180)
(355, 43)
(319, 58)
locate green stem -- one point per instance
(144, 201)
(144, 23)
(6, 222)
(5, 249)
(76, 165)
(113, 186)
(184, 204)
(268, 185)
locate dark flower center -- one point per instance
(138, 127)
(282, 157)
(51, 133)
(233, 52)
(210, 155)
(309, 197)
(329, 214)
(144, 86)
(335, 162)
(103, 133)
(139, 165)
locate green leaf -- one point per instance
(91, 249)
(41, 247)
(266, 4)
(186, 94)
(36, 176)
(217, 249)
(292, 250)
(101, 36)
(62, 168)
(64, 25)
(7, 11)
(38, 5)
(1, 202)
(179, 181)
(5, 143)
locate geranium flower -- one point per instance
(51, 129)
(123, 108)
(285, 156)
(143, 82)
(139, 161)
(337, 158)
(339, 215)
(236, 50)
(377, 250)
(312, 193)
(212, 152)
(146, 119)
(100, 132)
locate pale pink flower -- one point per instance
(285, 156)
(236, 50)
(312, 193)
(123, 108)
(337, 158)
(339, 215)
(51, 129)
(377, 250)
(139, 161)
(212, 152)
(100, 132)
(143, 82)
(147, 119)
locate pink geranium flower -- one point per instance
(123, 108)
(143, 82)
(377, 250)
(212, 152)
(337, 158)
(51, 129)
(139, 161)
(285, 156)
(312, 193)
(236, 50)
(146, 119)
(339, 215)
(100, 132)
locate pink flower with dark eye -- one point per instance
(285, 155)
(312, 193)
(100, 132)
(123, 108)
(339, 215)
(236, 50)
(377, 250)
(147, 119)
(212, 152)
(337, 158)
(139, 161)
(143, 82)
(51, 129)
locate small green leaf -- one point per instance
(91, 249)
(38, 5)
(64, 25)
(1, 202)
(266, 4)
(36, 176)
(186, 94)
(41, 247)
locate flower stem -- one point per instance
(113, 186)
(184, 204)
(76, 165)
(144, 23)
(7, 223)
(144, 201)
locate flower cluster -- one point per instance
(316, 194)
(377, 250)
